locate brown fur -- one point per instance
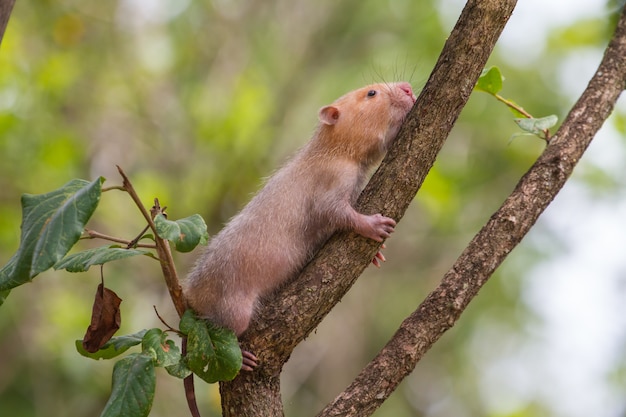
(300, 207)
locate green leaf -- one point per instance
(51, 225)
(114, 347)
(107, 351)
(81, 261)
(536, 126)
(166, 351)
(187, 322)
(148, 236)
(186, 233)
(179, 370)
(212, 353)
(134, 383)
(490, 81)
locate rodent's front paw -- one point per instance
(376, 227)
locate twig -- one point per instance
(92, 234)
(135, 242)
(162, 320)
(171, 279)
(163, 250)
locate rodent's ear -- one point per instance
(329, 115)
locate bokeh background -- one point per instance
(198, 100)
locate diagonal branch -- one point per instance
(294, 311)
(301, 305)
(494, 242)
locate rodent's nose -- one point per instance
(406, 87)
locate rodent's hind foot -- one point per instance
(379, 257)
(249, 361)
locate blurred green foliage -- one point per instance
(198, 101)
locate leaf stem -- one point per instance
(113, 187)
(514, 106)
(92, 234)
(520, 110)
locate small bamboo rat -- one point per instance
(299, 208)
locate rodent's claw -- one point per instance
(379, 257)
(249, 361)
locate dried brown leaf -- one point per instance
(105, 319)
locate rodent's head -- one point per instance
(365, 121)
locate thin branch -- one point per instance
(494, 242)
(162, 320)
(128, 187)
(135, 242)
(171, 278)
(163, 250)
(92, 234)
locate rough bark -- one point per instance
(291, 314)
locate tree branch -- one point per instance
(302, 304)
(6, 6)
(291, 314)
(494, 242)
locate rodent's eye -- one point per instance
(371, 93)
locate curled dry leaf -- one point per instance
(105, 319)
